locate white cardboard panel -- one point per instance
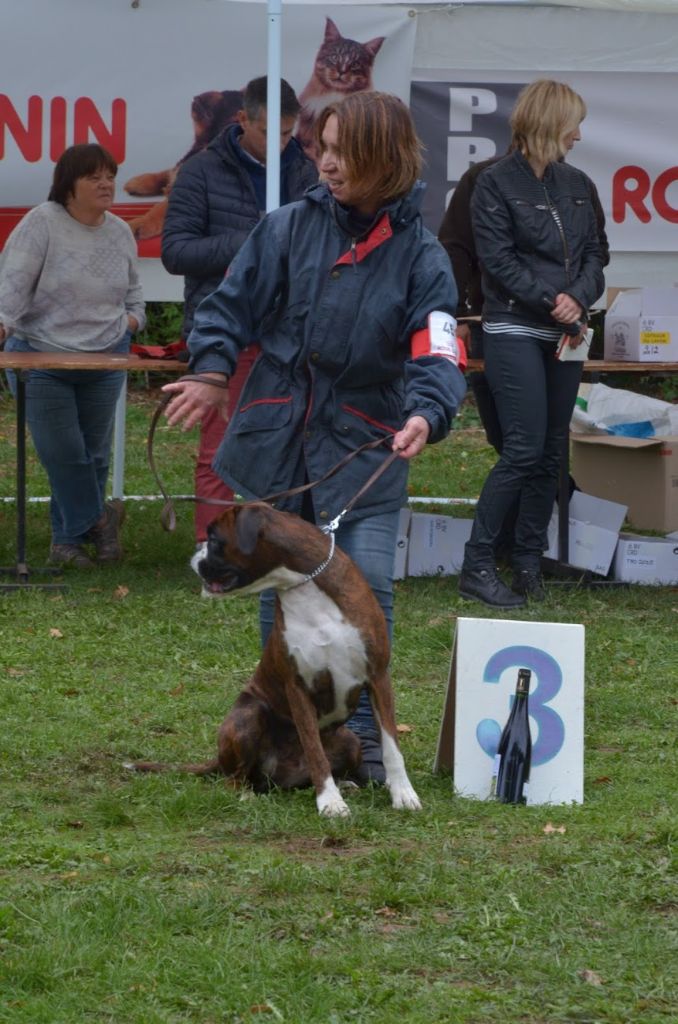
(486, 657)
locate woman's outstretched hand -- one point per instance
(191, 399)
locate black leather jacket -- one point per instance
(456, 235)
(535, 238)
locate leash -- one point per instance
(168, 515)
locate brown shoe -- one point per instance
(105, 535)
(72, 555)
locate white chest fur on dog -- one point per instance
(319, 639)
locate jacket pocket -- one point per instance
(262, 414)
(365, 420)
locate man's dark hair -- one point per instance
(78, 162)
(256, 93)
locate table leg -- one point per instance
(20, 570)
(564, 505)
(118, 481)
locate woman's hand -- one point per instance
(192, 399)
(574, 341)
(566, 310)
(132, 323)
(3, 335)
(411, 439)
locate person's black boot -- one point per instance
(485, 585)
(371, 768)
(529, 583)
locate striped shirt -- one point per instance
(543, 333)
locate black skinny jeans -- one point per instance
(534, 395)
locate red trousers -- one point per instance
(212, 428)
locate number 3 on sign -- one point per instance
(551, 731)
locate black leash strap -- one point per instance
(168, 515)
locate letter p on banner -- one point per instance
(465, 104)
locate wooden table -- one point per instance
(22, 363)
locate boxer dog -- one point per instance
(329, 639)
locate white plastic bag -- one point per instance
(603, 410)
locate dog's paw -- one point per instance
(151, 184)
(404, 798)
(334, 809)
(330, 802)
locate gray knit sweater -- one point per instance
(65, 286)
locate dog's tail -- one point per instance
(201, 770)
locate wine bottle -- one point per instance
(514, 753)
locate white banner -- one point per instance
(627, 146)
(126, 75)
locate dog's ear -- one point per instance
(248, 526)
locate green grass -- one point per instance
(154, 900)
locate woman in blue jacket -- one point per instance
(352, 301)
(537, 239)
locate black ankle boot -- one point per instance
(485, 585)
(529, 583)
(371, 767)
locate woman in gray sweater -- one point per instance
(69, 283)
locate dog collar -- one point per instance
(318, 569)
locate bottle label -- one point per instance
(495, 772)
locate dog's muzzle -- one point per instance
(218, 579)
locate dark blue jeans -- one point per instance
(70, 414)
(534, 395)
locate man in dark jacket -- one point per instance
(219, 196)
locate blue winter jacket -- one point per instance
(212, 209)
(347, 357)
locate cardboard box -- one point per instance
(594, 527)
(436, 546)
(649, 560)
(641, 325)
(402, 543)
(642, 473)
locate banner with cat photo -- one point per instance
(154, 80)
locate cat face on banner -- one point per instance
(341, 66)
(345, 65)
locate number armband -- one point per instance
(439, 338)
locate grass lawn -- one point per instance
(155, 900)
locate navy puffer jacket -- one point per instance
(349, 352)
(213, 208)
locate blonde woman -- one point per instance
(542, 264)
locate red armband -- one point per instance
(439, 338)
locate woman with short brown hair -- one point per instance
(352, 301)
(382, 152)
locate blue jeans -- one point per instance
(70, 414)
(371, 543)
(534, 395)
